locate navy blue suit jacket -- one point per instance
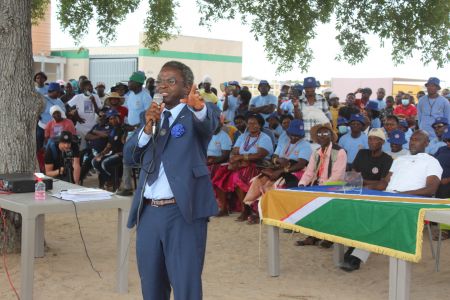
(184, 160)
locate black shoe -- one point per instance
(325, 244)
(348, 253)
(125, 192)
(351, 264)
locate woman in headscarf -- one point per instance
(58, 124)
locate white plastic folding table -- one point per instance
(33, 220)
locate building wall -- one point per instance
(77, 62)
(220, 59)
(41, 35)
(343, 86)
(412, 89)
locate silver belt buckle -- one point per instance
(153, 204)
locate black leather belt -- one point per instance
(159, 202)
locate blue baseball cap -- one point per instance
(233, 83)
(310, 82)
(54, 86)
(342, 121)
(273, 115)
(397, 137)
(296, 127)
(358, 118)
(298, 87)
(372, 105)
(435, 81)
(440, 120)
(112, 113)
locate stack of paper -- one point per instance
(83, 194)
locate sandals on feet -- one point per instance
(252, 219)
(309, 241)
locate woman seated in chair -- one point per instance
(249, 152)
(109, 161)
(289, 160)
(218, 152)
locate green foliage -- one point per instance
(75, 16)
(38, 9)
(411, 27)
(160, 23)
(286, 27)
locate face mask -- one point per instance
(405, 102)
(342, 129)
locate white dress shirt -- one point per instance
(160, 189)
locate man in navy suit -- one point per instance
(174, 197)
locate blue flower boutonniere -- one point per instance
(177, 130)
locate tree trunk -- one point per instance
(19, 103)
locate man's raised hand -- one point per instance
(194, 100)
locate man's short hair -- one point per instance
(185, 71)
(393, 117)
(85, 82)
(42, 74)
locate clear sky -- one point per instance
(377, 64)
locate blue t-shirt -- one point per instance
(218, 143)
(233, 104)
(352, 146)
(386, 147)
(136, 104)
(99, 144)
(277, 132)
(381, 104)
(430, 109)
(434, 146)
(284, 138)
(259, 101)
(376, 123)
(291, 151)
(45, 116)
(408, 135)
(42, 90)
(263, 141)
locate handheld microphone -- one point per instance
(158, 99)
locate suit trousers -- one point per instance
(170, 253)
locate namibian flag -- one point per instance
(385, 223)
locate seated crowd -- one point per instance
(299, 138)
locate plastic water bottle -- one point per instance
(39, 190)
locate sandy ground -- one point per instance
(232, 268)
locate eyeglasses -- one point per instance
(323, 134)
(438, 126)
(170, 82)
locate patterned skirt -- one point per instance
(227, 180)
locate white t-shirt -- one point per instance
(86, 111)
(410, 172)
